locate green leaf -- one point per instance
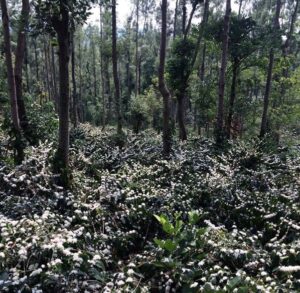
(168, 244)
(166, 225)
(233, 283)
(194, 217)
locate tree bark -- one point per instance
(54, 78)
(19, 60)
(175, 20)
(137, 90)
(220, 108)
(74, 85)
(184, 12)
(102, 70)
(167, 135)
(264, 119)
(181, 96)
(232, 98)
(181, 115)
(61, 26)
(115, 68)
(9, 66)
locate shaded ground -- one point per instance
(230, 224)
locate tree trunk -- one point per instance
(137, 49)
(47, 71)
(175, 20)
(36, 61)
(220, 114)
(102, 70)
(81, 115)
(9, 66)
(61, 26)
(18, 145)
(181, 116)
(54, 78)
(107, 90)
(167, 135)
(232, 98)
(27, 67)
(264, 119)
(183, 25)
(20, 54)
(115, 68)
(181, 97)
(240, 8)
(75, 103)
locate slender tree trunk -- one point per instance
(74, 85)
(167, 135)
(115, 68)
(61, 25)
(175, 20)
(232, 98)
(54, 78)
(181, 96)
(102, 70)
(19, 60)
(202, 67)
(137, 48)
(36, 61)
(264, 120)
(181, 115)
(240, 9)
(220, 114)
(287, 43)
(184, 11)
(27, 67)
(47, 71)
(94, 67)
(81, 115)
(9, 66)
(19, 152)
(108, 90)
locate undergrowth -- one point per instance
(203, 221)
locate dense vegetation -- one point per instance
(160, 154)
(205, 220)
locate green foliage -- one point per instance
(223, 222)
(179, 65)
(144, 109)
(43, 121)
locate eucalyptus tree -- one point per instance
(242, 43)
(59, 17)
(276, 28)
(183, 57)
(115, 67)
(221, 91)
(16, 129)
(167, 138)
(19, 60)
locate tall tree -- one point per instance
(264, 119)
(167, 139)
(221, 92)
(183, 57)
(9, 67)
(115, 67)
(12, 85)
(61, 24)
(137, 59)
(74, 84)
(19, 60)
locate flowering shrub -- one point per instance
(203, 221)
